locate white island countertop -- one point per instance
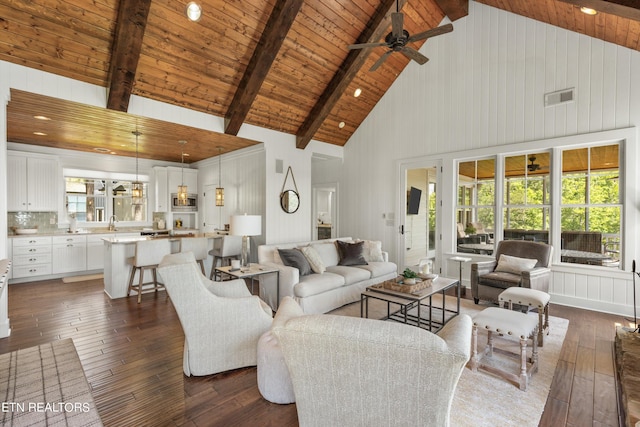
(119, 248)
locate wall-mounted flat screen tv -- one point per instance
(413, 204)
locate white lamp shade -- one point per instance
(245, 225)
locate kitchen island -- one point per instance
(119, 249)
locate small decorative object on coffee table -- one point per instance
(408, 283)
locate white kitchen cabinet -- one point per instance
(31, 256)
(69, 254)
(167, 180)
(162, 195)
(32, 183)
(95, 251)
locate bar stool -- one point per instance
(199, 247)
(148, 255)
(225, 249)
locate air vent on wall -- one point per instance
(559, 97)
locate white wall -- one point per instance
(483, 87)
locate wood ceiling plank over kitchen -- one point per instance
(132, 21)
(280, 21)
(85, 127)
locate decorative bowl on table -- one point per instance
(426, 276)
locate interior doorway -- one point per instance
(419, 231)
(325, 211)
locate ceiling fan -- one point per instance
(533, 166)
(398, 39)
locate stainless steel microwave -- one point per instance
(190, 206)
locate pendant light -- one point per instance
(136, 186)
(182, 189)
(219, 189)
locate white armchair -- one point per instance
(352, 371)
(222, 322)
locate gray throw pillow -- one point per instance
(295, 258)
(351, 253)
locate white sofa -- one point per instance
(321, 293)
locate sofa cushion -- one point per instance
(328, 253)
(516, 265)
(378, 269)
(295, 258)
(351, 274)
(372, 250)
(500, 279)
(314, 259)
(314, 284)
(351, 253)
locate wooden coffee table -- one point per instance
(420, 301)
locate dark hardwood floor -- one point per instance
(132, 356)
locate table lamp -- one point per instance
(245, 226)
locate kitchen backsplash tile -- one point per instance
(44, 221)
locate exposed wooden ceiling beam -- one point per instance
(454, 9)
(376, 28)
(629, 9)
(280, 21)
(132, 21)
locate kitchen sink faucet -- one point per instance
(112, 222)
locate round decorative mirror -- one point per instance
(289, 201)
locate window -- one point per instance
(476, 198)
(591, 209)
(527, 198)
(588, 210)
(95, 200)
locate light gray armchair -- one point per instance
(362, 372)
(222, 321)
(487, 283)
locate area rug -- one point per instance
(83, 278)
(45, 386)
(482, 399)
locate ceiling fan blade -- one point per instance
(397, 20)
(414, 54)
(363, 45)
(431, 33)
(380, 60)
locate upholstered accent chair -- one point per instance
(354, 372)
(526, 264)
(222, 321)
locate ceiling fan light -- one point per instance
(193, 11)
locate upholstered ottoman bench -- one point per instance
(530, 298)
(512, 325)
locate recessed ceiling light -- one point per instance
(357, 92)
(186, 154)
(341, 125)
(40, 133)
(101, 150)
(588, 10)
(113, 152)
(41, 117)
(193, 11)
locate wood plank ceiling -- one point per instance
(277, 64)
